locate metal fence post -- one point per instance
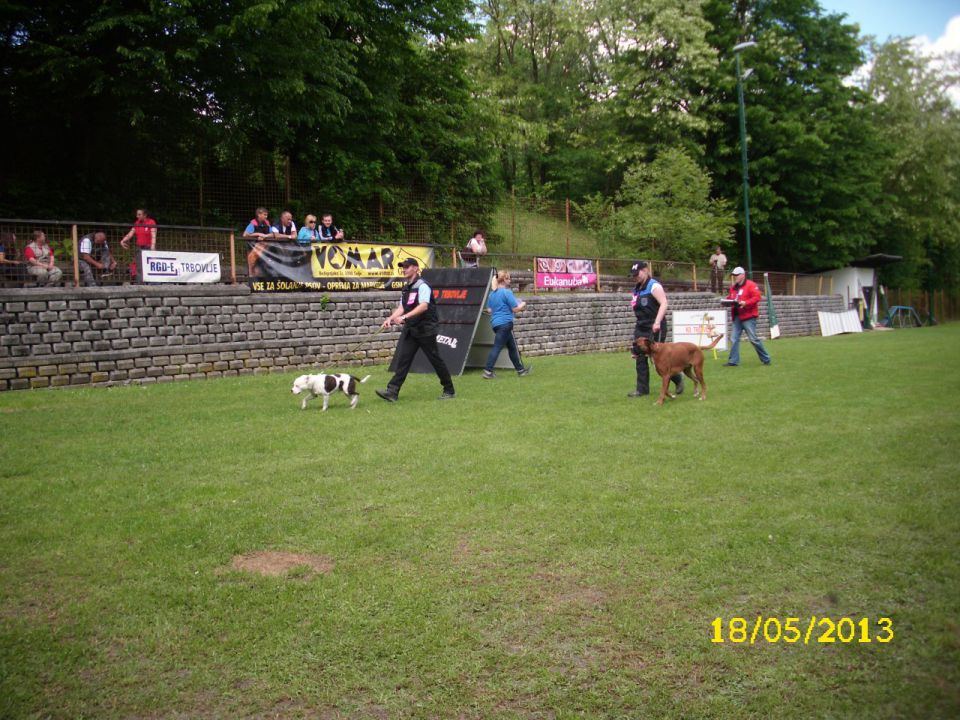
(76, 257)
(513, 219)
(233, 259)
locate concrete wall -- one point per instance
(104, 336)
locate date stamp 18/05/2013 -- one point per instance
(790, 630)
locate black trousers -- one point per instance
(643, 367)
(414, 339)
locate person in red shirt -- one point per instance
(145, 230)
(745, 311)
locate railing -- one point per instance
(64, 238)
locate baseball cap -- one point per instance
(408, 262)
(737, 271)
(638, 266)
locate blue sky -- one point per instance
(884, 18)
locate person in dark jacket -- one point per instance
(649, 302)
(417, 315)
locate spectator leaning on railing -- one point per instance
(145, 230)
(258, 229)
(39, 256)
(476, 246)
(286, 229)
(309, 233)
(328, 231)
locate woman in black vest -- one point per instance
(417, 313)
(649, 302)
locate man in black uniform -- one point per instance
(417, 312)
(649, 303)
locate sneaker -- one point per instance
(448, 395)
(638, 393)
(523, 371)
(388, 395)
(729, 364)
(488, 375)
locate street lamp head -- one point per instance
(744, 46)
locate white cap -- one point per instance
(737, 271)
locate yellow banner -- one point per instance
(361, 261)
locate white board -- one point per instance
(699, 326)
(842, 322)
(161, 266)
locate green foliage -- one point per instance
(920, 130)
(583, 90)
(814, 156)
(412, 108)
(125, 99)
(665, 210)
(526, 558)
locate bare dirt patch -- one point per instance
(275, 563)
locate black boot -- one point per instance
(390, 395)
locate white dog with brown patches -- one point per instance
(324, 386)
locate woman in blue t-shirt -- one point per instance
(502, 306)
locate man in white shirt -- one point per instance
(476, 246)
(95, 258)
(718, 261)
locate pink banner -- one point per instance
(554, 273)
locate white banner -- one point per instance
(180, 267)
(700, 326)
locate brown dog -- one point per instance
(673, 358)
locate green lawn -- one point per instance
(541, 547)
(539, 234)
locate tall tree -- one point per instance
(920, 128)
(530, 62)
(583, 89)
(122, 97)
(663, 211)
(814, 156)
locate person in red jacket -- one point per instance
(745, 313)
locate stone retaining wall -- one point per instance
(105, 336)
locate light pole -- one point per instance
(743, 151)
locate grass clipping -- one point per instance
(274, 563)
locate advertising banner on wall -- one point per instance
(288, 266)
(460, 296)
(553, 272)
(700, 327)
(160, 266)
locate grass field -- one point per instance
(541, 547)
(538, 234)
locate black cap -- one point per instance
(408, 262)
(638, 266)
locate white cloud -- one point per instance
(947, 49)
(946, 43)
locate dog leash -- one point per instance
(365, 341)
